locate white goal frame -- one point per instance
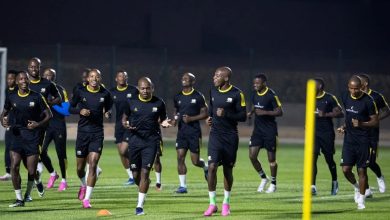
(3, 79)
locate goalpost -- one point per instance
(3, 69)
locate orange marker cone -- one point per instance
(104, 212)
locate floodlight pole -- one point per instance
(3, 69)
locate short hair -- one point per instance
(21, 72)
(320, 81)
(365, 77)
(12, 72)
(261, 76)
(94, 70)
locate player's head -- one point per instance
(145, 87)
(320, 84)
(84, 75)
(365, 78)
(11, 78)
(94, 78)
(49, 74)
(121, 78)
(188, 80)
(34, 67)
(222, 76)
(354, 86)
(260, 82)
(22, 80)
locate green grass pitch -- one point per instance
(246, 203)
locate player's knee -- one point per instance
(347, 169)
(273, 163)
(253, 157)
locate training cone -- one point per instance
(104, 212)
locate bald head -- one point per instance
(145, 88)
(225, 71)
(365, 79)
(188, 80)
(354, 86)
(49, 74)
(222, 76)
(34, 68)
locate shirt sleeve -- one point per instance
(54, 91)
(372, 109)
(240, 109)
(163, 111)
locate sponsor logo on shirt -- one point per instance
(351, 110)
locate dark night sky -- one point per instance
(209, 25)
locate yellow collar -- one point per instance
(93, 91)
(322, 95)
(11, 88)
(369, 91)
(263, 93)
(188, 93)
(35, 81)
(226, 90)
(353, 97)
(144, 100)
(121, 89)
(23, 95)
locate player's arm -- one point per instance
(163, 118)
(384, 112)
(63, 109)
(202, 113)
(108, 102)
(373, 112)
(240, 109)
(54, 91)
(209, 119)
(337, 111)
(74, 109)
(4, 115)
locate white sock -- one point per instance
(82, 180)
(356, 186)
(182, 179)
(18, 193)
(226, 199)
(40, 167)
(54, 173)
(205, 167)
(141, 199)
(88, 193)
(86, 171)
(63, 180)
(129, 173)
(158, 177)
(212, 195)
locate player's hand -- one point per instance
(107, 115)
(259, 111)
(166, 123)
(220, 112)
(32, 124)
(249, 115)
(341, 130)
(85, 112)
(321, 113)
(355, 123)
(186, 119)
(209, 121)
(5, 122)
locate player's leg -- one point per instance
(60, 143)
(16, 158)
(31, 162)
(8, 139)
(362, 172)
(274, 169)
(214, 157)
(123, 154)
(313, 184)
(93, 160)
(158, 167)
(44, 156)
(181, 169)
(374, 166)
(194, 144)
(333, 172)
(253, 156)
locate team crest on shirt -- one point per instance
(133, 166)
(179, 102)
(114, 97)
(229, 100)
(31, 104)
(14, 104)
(193, 101)
(128, 95)
(101, 99)
(43, 90)
(136, 109)
(155, 109)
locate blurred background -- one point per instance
(288, 40)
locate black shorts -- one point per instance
(28, 142)
(222, 149)
(324, 143)
(373, 152)
(119, 133)
(356, 151)
(9, 138)
(89, 142)
(191, 142)
(143, 155)
(268, 142)
(57, 134)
